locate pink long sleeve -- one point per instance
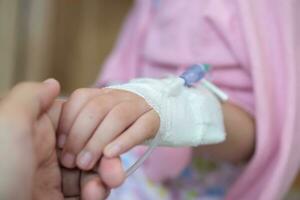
(271, 30)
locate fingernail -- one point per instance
(62, 140)
(113, 150)
(85, 159)
(68, 160)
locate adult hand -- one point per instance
(29, 167)
(27, 142)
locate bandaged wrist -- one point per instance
(188, 116)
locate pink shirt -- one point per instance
(252, 47)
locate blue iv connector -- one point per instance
(194, 74)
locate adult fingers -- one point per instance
(32, 98)
(70, 182)
(92, 187)
(54, 112)
(112, 172)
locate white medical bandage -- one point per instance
(188, 116)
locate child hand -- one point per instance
(109, 121)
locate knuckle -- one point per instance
(94, 108)
(156, 122)
(106, 90)
(143, 104)
(153, 123)
(115, 91)
(101, 103)
(79, 93)
(95, 105)
(127, 95)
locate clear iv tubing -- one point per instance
(191, 76)
(144, 157)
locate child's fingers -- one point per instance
(71, 109)
(144, 128)
(116, 121)
(85, 124)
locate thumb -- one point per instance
(33, 98)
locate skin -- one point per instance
(103, 120)
(24, 123)
(104, 123)
(28, 121)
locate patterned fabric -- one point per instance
(202, 180)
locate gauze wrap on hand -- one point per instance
(188, 116)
